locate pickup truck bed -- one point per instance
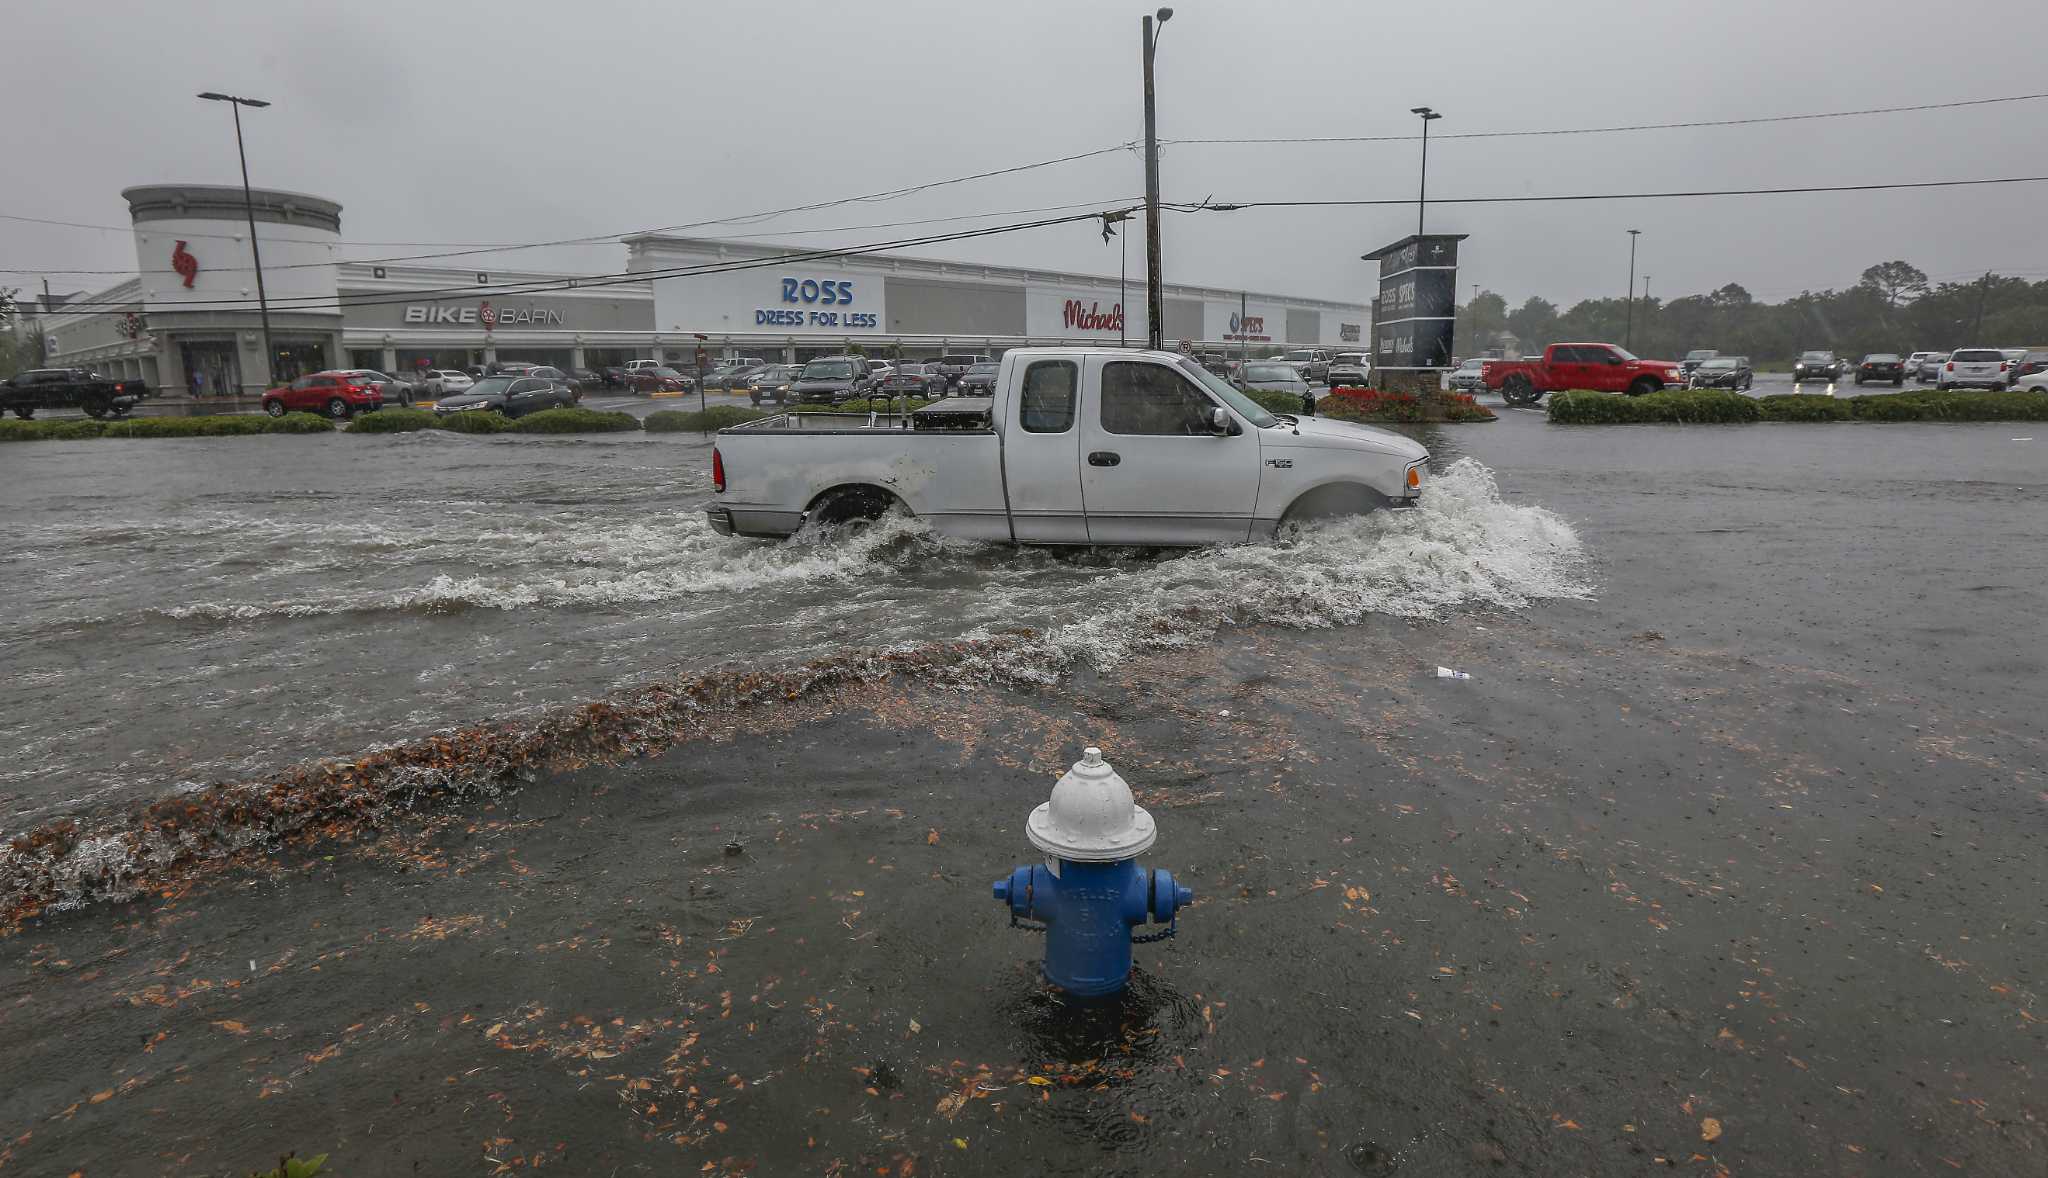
(1076, 446)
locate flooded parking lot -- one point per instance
(1724, 858)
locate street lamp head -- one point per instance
(1426, 113)
(1635, 233)
(1164, 15)
(212, 96)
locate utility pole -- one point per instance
(1422, 191)
(1983, 290)
(1628, 333)
(249, 207)
(1155, 296)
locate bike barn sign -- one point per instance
(482, 315)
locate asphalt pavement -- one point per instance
(1725, 859)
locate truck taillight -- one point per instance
(717, 471)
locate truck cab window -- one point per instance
(1142, 398)
(1046, 404)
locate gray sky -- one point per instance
(521, 120)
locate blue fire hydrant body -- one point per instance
(1090, 893)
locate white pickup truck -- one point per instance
(1076, 446)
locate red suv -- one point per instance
(337, 394)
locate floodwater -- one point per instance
(186, 612)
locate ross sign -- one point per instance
(802, 291)
(807, 299)
(1417, 310)
(184, 263)
(483, 314)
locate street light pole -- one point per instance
(1155, 296)
(1422, 191)
(1628, 335)
(249, 207)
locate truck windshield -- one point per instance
(1246, 408)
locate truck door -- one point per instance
(1042, 453)
(1567, 370)
(1153, 470)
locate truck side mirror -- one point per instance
(1219, 420)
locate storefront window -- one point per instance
(296, 358)
(365, 357)
(558, 357)
(212, 368)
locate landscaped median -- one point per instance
(1375, 407)
(213, 426)
(1721, 407)
(547, 421)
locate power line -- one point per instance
(1090, 204)
(1619, 128)
(1215, 206)
(601, 238)
(568, 282)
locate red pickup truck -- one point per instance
(1600, 367)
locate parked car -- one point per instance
(395, 391)
(659, 378)
(1881, 367)
(1467, 377)
(1350, 370)
(1091, 446)
(771, 384)
(1723, 372)
(828, 380)
(337, 394)
(2030, 364)
(1975, 368)
(1930, 367)
(68, 388)
(1914, 361)
(442, 382)
(636, 365)
(952, 368)
(513, 396)
(1695, 358)
(980, 379)
(1600, 367)
(1273, 376)
(2034, 382)
(928, 381)
(728, 378)
(1312, 363)
(1819, 365)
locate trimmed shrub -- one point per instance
(718, 417)
(218, 426)
(474, 421)
(2013, 405)
(1686, 406)
(1373, 406)
(1804, 407)
(1275, 401)
(575, 421)
(393, 421)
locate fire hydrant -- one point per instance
(1090, 894)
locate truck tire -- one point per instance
(24, 412)
(274, 408)
(1517, 390)
(1646, 385)
(95, 405)
(855, 504)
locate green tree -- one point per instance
(1479, 321)
(1897, 282)
(1534, 323)
(21, 342)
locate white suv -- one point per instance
(1982, 368)
(1350, 370)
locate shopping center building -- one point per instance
(189, 320)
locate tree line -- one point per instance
(1892, 308)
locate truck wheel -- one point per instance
(337, 408)
(95, 407)
(274, 408)
(1898, 382)
(1517, 390)
(24, 412)
(1644, 386)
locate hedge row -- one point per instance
(547, 421)
(718, 417)
(1373, 406)
(1717, 406)
(216, 426)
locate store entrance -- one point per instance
(212, 368)
(296, 358)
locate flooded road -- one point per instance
(186, 612)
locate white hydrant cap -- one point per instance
(1091, 817)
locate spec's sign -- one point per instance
(482, 315)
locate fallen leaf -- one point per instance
(931, 839)
(1710, 1130)
(228, 1024)
(99, 1096)
(960, 1142)
(1041, 1081)
(915, 1026)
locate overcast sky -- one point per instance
(523, 120)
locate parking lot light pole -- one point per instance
(1155, 297)
(1628, 331)
(249, 207)
(1422, 192)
